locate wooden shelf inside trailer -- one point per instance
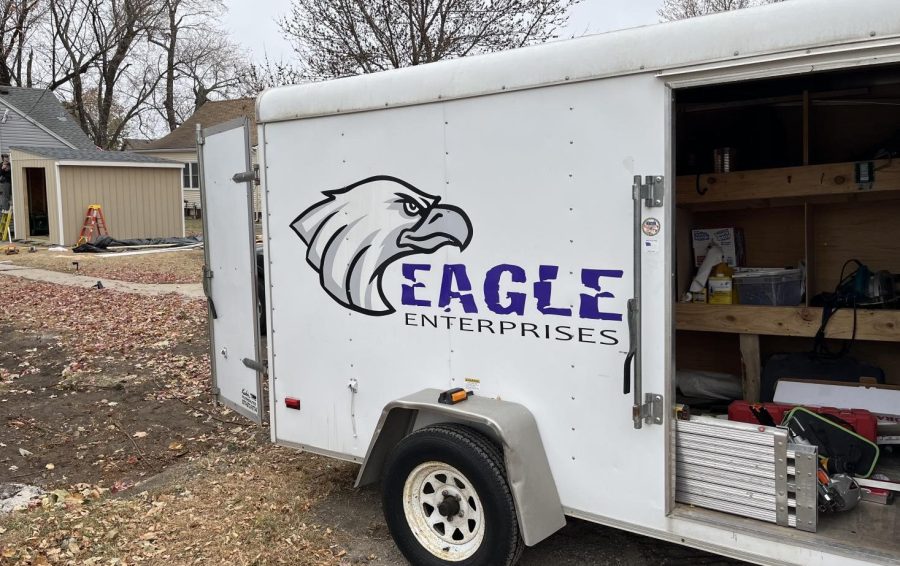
(752, 321)
(765, 186)
(875, 325)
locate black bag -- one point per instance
(844, 451)
(821, 363)
(809, 365)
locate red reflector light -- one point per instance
(292, 403)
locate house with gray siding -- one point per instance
(56, 173)
(34, 117)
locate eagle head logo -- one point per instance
(357, 231)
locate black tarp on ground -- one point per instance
(102, 243)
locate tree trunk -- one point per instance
(169, 104)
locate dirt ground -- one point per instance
(104, 403)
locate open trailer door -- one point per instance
(229, 278)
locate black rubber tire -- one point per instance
(479, 459)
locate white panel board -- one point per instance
(230, 257)
(878, 399)
(529, 196)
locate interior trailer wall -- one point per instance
(137, 202)
(826, 236)
(807, 119)
(812, 211)
(19, 161)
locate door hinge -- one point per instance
(651, 412)
(651, 190)
(251, 176)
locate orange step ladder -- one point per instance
(94, 225)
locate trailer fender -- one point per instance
(511, 425)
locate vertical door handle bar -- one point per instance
(634, 315)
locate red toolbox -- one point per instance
(860, 421)
(746, 412)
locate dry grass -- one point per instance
(168, 267)
(224, 494)
(252, 507)
(193, 226)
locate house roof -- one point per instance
(42, 106)
(211, 113)
(135, 143)
(96, 155)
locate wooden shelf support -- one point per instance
(752, 364)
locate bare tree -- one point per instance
(19, 17)
(682, 9)
(269, 73)
(345, 37)
(196, 51)
(109, 39)
(212, 65)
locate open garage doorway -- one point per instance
(36, 191)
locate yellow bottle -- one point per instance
(721, 285)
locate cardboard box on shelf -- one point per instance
(731, 240)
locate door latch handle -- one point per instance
(632, 343)
(626, 386)
(207, 290)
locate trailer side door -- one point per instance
(512, 279)
(230, 273)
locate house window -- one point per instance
(190, 176)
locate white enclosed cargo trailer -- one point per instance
(507, 224)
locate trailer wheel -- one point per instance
(446, 499)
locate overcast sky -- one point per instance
(253, 21)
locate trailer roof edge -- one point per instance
(730, 36)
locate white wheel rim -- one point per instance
(434, 488)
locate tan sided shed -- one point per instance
(140, 195)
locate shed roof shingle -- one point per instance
(43, 107)
(67, 154)
(211, 113)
